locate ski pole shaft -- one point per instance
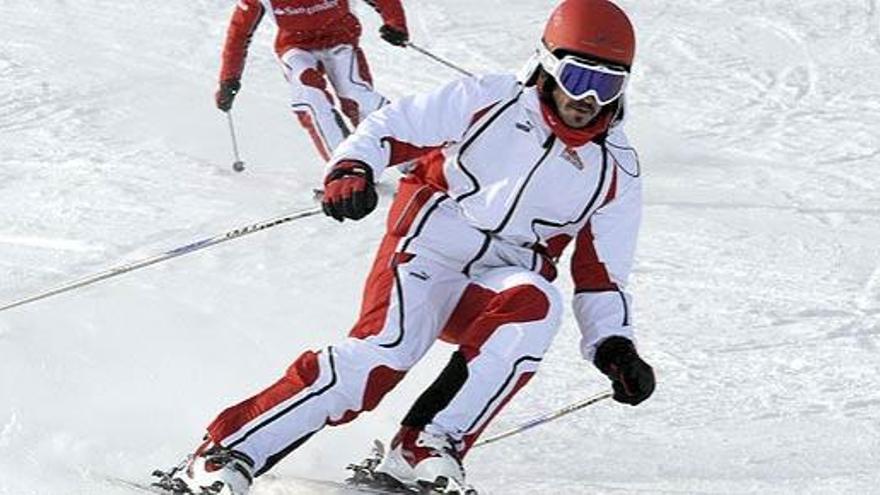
(546, 418)
(232, 135)
(438, 59)
(152, 260)
(237, 165)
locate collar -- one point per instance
(573, 138)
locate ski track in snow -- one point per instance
(757, 284)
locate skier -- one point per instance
(509, 172)
(316, 42)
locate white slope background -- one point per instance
(757, 283)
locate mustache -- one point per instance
(582, 105)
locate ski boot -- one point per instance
(428, 461)
(211, 470)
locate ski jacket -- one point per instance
(494, 187)
(306, 24)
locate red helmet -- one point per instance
(596, 28)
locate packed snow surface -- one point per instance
(757, 283)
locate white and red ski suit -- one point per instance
(470, 249)
(317, 40)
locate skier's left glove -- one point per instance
(396, 35)
(349, 191)
(225, 94)
(631, 377)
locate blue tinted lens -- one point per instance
(579, 80)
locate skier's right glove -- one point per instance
(226, 94)
(631, 377)
(349, 191)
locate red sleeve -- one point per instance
(588, 271)
(391, 12)
(244, 22)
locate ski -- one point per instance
(136, 486)
(340, 486)
(278, 486)
(166, 485)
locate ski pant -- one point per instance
(503, 320)
(308, 71)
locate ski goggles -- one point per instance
(579, 78)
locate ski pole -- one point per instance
(237, 165)
(545, 418)
(152, 260)
(438, 59)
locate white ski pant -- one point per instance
(503, 320)
(308, 71)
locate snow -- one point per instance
(757, 283)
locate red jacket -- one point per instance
(307, 24)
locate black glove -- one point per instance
(395, 35)
(631, 377)
(226, 93)
(349, 191)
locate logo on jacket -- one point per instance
(573, 158)
(421, 275)
(310, 10)
(525, 126)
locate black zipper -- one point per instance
(548, 146)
